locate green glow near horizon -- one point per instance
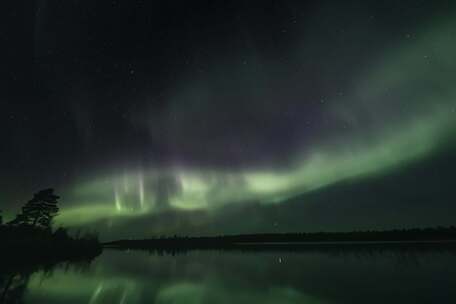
(425, 118)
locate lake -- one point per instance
(136, 277)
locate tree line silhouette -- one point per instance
(416, 238)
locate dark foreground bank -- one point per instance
(29, 238)
(26, 250)
(24, 246)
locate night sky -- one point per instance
(206, 117)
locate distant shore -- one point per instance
(407, 238)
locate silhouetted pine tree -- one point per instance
(39, 211)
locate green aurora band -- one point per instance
(400, 110)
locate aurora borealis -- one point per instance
(154, 118)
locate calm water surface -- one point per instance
(235, 277)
